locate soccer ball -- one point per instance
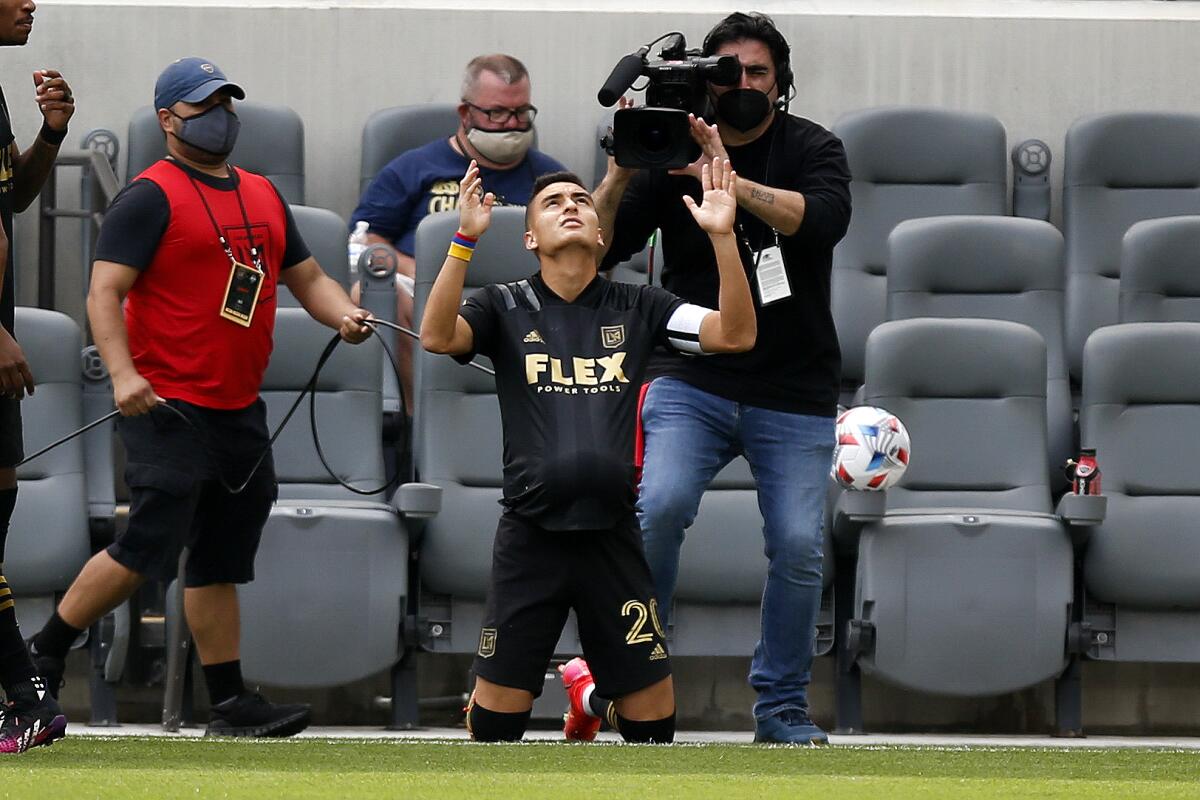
(872, 449)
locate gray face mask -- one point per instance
(501, 147)
(214, 130)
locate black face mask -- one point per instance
(214, 130)
(744, 109)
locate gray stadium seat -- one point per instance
(964, 585)
(325, 234)
(990, 267)
(458, 447)
(1160, 281)
(1141, 411)
(48, 540)
(271, 143)
(292, 633)
(906, 162)
(393, 131)
(1119, 169)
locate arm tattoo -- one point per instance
(763, 196)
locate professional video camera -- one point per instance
(657, 136)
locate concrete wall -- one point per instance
(336, 63)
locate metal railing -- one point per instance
(98, 186)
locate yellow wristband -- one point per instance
(460, 252)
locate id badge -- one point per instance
(241, 294)
(771, 273)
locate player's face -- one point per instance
(562, 215)
(16, 21)
(758, 68)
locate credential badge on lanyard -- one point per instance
(245, 281)
(770, 270)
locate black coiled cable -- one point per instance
(310, 389)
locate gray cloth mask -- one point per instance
(214, 130)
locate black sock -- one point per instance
(600, 706)
(16, 667)
(657, 731)
(55, 638)
(495, 726)
(224, 681)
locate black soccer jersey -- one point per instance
(568, 377)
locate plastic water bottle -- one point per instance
(358, 243)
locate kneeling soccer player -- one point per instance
(570, 349)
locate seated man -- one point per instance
(496, 131)
(570, 349)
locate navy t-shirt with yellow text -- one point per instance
(424, 181)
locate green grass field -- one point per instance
(130, 768)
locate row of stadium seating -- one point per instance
(907, 163)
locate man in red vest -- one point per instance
(193, 250)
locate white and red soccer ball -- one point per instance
(872, 449)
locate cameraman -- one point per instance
(775, 404)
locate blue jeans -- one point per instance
(690, 435)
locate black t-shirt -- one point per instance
(568, 377)
(138, 217)
(8, 299)
(796, 364)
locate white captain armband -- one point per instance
(683, 328)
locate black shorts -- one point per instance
(12, 449)
(176, 498)
(539, 575)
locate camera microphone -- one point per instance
(622, 77)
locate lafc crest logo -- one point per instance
(613, 336)
(534, 337)
(487, 642)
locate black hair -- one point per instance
(544, 180)
(760, 27)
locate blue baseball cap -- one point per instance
(191, 80)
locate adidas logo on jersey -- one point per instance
(658, 653)
(534, 336)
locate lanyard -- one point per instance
(254, 256)
(773, 235)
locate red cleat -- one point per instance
(578, 724)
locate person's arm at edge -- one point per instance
(16, 379)
(31, 167)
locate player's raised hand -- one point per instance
(474, 207)
(717, 210)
